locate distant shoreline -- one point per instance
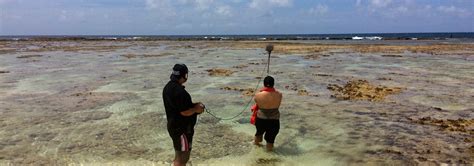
(269, 37)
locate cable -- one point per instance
(248, 103)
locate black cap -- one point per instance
(179, 71)
(268, 81)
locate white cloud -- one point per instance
(401, 9)
(281, 2)
(230, 16)
(158, 4)
(319, 10)
(391, 8)
(454, 11)
(152, 4)
(4, 1)
(80, 14)
(63, 15)
(11, 17)
(164, 7)
(447, 9)
(379, 3)
(75, 15)
(427, 7)
(396, 9)
(206, 25)
(270, 3)
(358, 2)
(184, 26)
(198, 4)
(224, 11)
(203, 4)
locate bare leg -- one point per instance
(258, 139)
(269, 147)
(181, 158)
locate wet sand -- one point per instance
(345, 102)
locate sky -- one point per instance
(217, 17)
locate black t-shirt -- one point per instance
(176, 100)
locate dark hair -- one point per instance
(179, 71)
(268, 81)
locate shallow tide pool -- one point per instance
(86, 102)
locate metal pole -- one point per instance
(269, 49)
(268, 63)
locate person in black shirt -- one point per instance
(181, 113)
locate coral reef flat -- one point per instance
(344, 102)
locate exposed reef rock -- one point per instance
(245, 92)
(461, 125)
(219, 72)
(362, 90)
(28, 56)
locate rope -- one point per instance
(245, 108)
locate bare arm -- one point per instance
(196, 109)
(257, 95)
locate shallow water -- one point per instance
(89, 104)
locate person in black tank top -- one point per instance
(181, 114)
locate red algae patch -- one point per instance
(130, 56)
(28, 56)
(312, 56)
(392, 55)
(362, 90)
(245, 92)
(303, 92)
(240, 66)
(300, 91)
(461, 125)
(156, 55)
(219, 72)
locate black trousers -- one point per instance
(269, 127)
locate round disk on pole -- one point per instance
(269, 48)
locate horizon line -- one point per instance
(230, 34)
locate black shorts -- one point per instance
(182, 138)
(269, 127)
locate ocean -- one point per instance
(346, 36)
